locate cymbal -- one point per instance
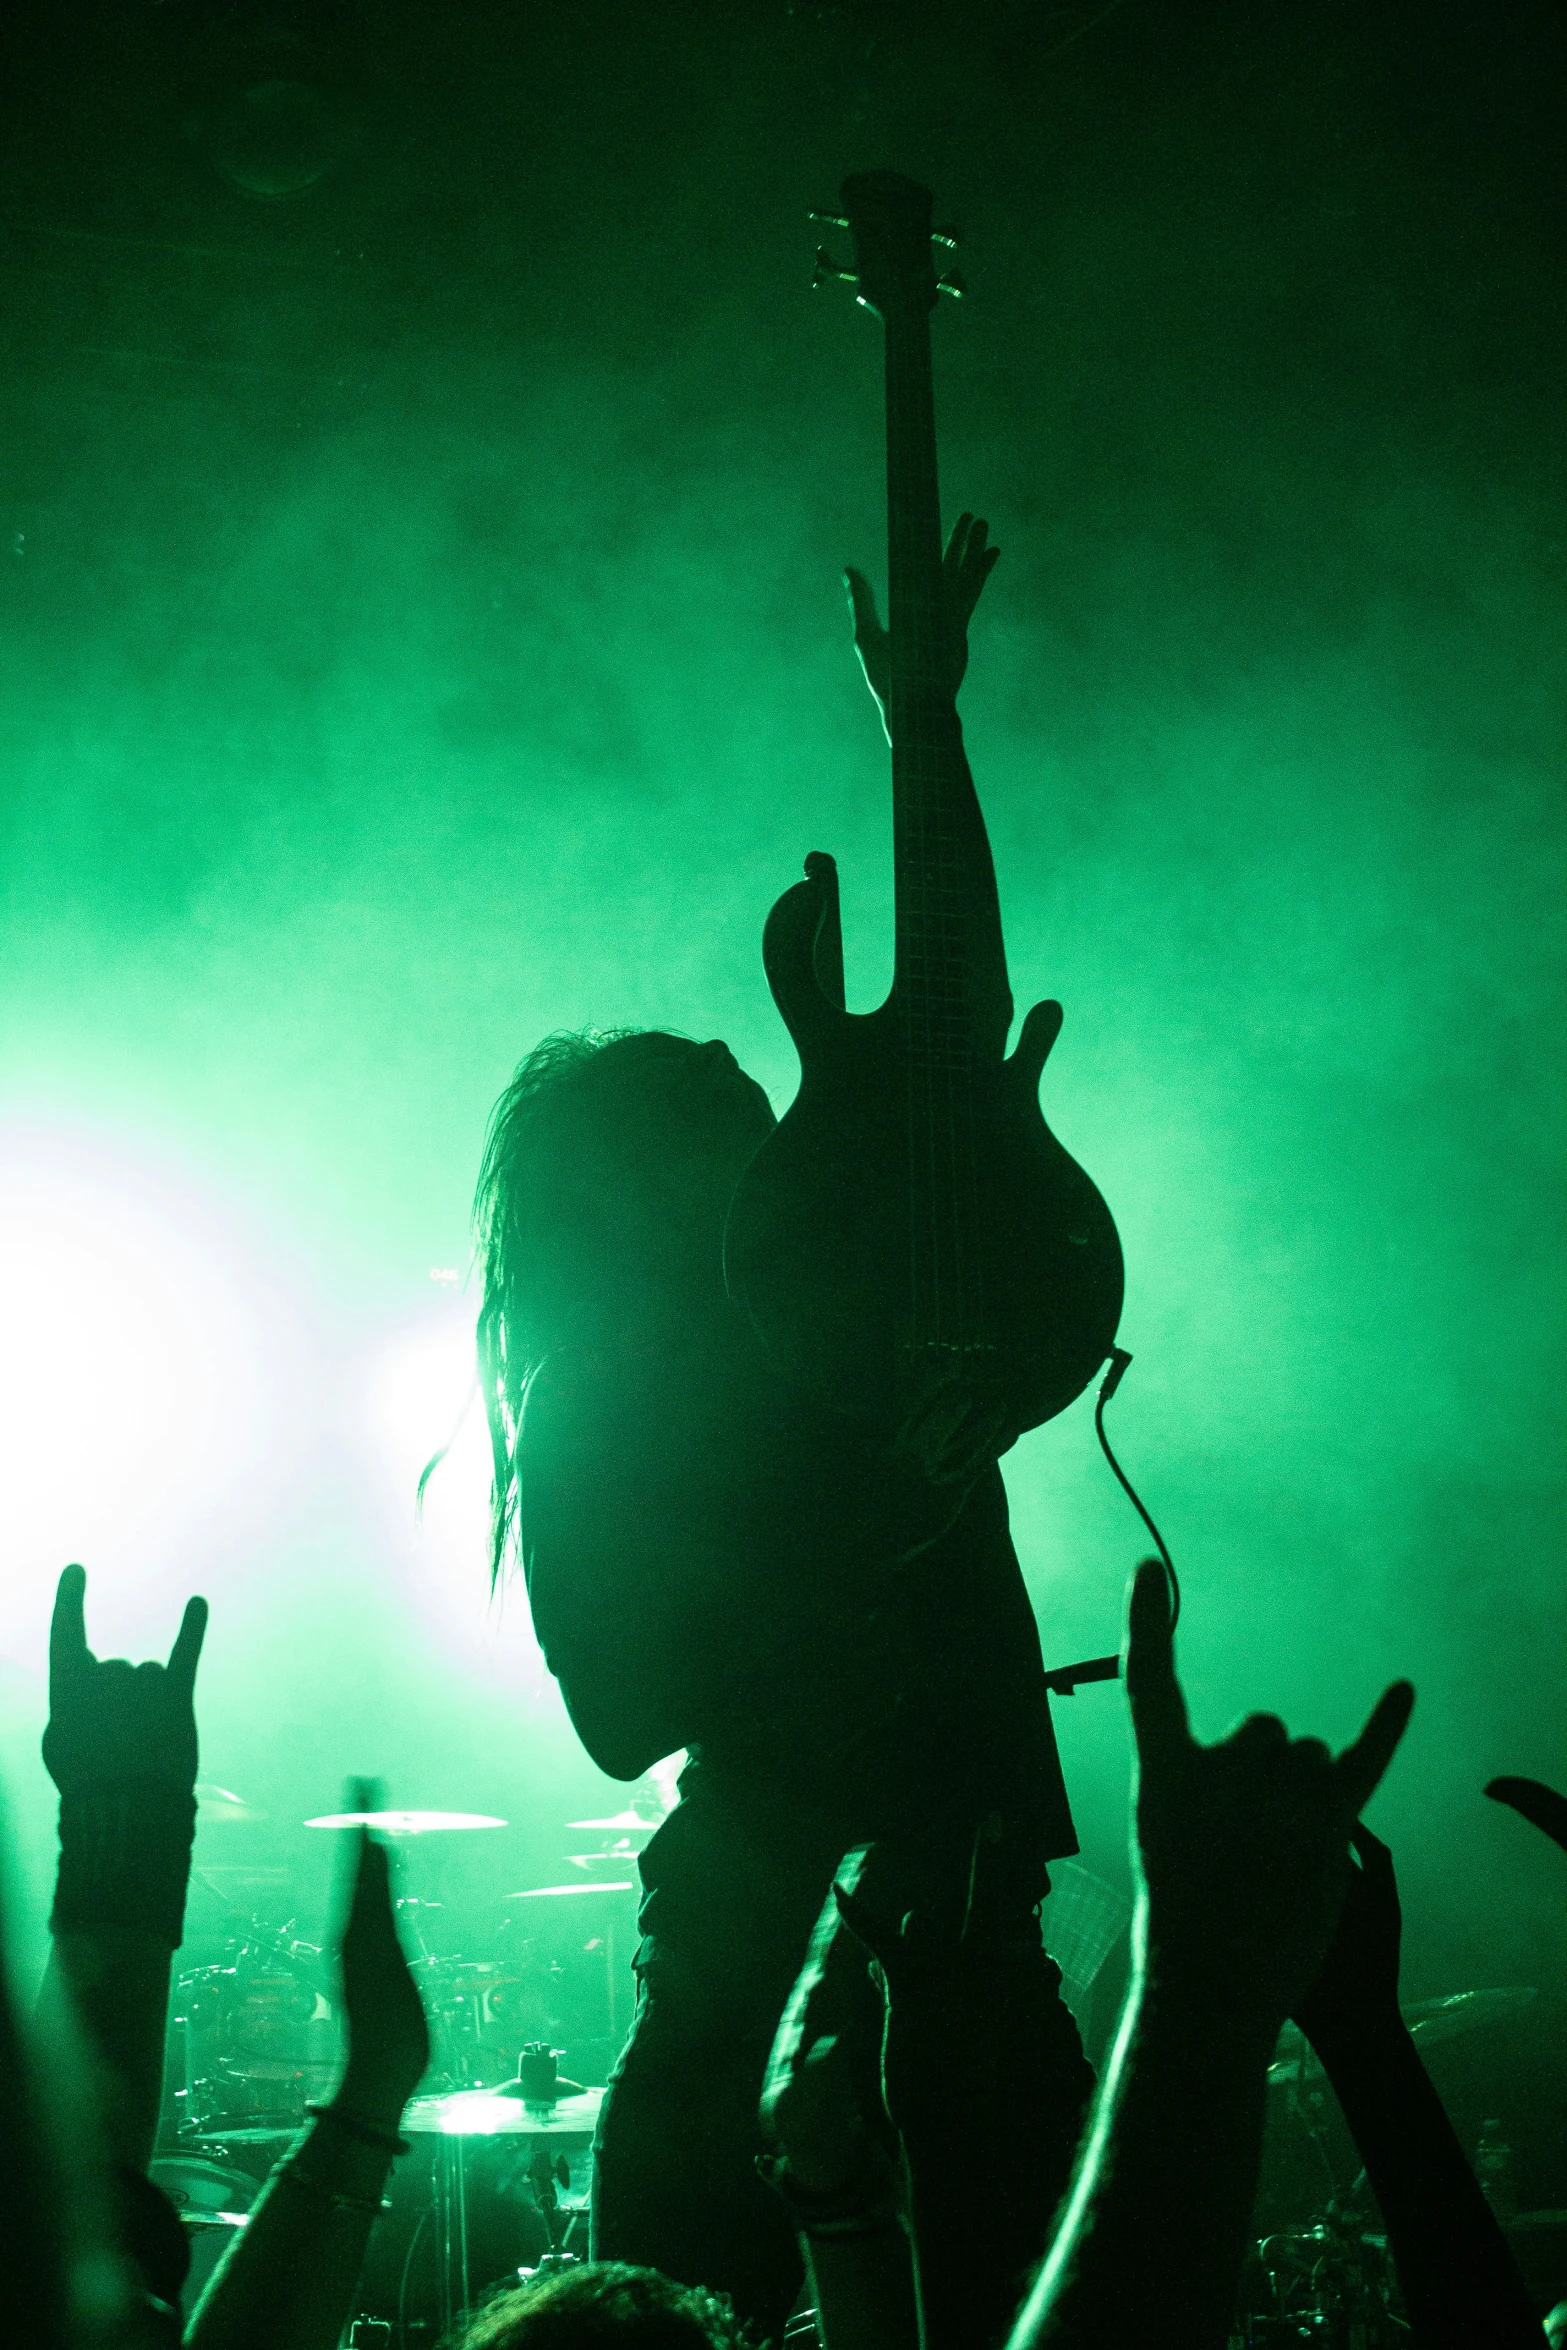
(620, 1819)
(1430, 2021)
(407, 1823)
(268, 2135)
(483, 2113)
(1433, 2020)
(220, 1803)
(548, 1892)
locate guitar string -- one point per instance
(945, 1054)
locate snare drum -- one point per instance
(213, 2203)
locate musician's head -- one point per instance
(599, 1215)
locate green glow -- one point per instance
(422, 630)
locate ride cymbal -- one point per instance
(407, 1823)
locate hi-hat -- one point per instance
(487, 2113)
(406, 1823)
(624, 1820)
(221, 1803)
(585, 1885)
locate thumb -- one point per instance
(862, 603)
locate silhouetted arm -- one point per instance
(1242, 1853)
(829, 2162)
(121, 1748)
(288, 2283)
(979, 2053)
(1460, 2281)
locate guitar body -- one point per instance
(824, 1225)
(912, 1224)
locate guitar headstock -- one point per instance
(888, 217)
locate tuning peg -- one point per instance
(945, 236)
(827, 271)
(952, 285)
(827, 219)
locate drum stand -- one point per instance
(547, 2172)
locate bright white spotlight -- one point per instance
(130, 1379)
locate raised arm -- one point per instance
(979, 2052)
(832, 2157)
(289, 2281)
(1460, 2282)
(121, 1748)
(1242, 1857)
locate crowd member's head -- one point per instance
(608, 1168)
(605, 2305)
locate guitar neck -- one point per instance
(926, 809)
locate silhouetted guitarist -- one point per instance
(836, 1630)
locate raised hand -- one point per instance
(1540, 1805)
(813, 2115)
(388, 2037)
(1357, 1985)
(110, 1721)
(954, 1427)
(956, 1980)
(967, 563)
(1243, 1846)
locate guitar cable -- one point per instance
(1120, 1364)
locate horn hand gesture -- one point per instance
(110, 1721)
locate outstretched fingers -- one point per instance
(1158, 1709)
(185, 1655)
(1360, 1767)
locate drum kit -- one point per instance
(496, 2183)
(1325, 2275)
(497, 2178)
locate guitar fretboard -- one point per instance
(931, 983)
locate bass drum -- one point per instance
(213, 2203)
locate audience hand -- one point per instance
(812, 2112)
(1243, 1845)
(1541, 1806)
(110, 1721)
(1357, 1986)
(966, 565)
(388, 2037)
(954, 1983)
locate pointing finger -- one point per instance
(1360, 1767)
(1541, 1806)
(1153, 1692)
(67, 1631)
(185, 1655)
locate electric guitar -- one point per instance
(912, 1224)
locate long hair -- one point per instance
(595, 1149)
